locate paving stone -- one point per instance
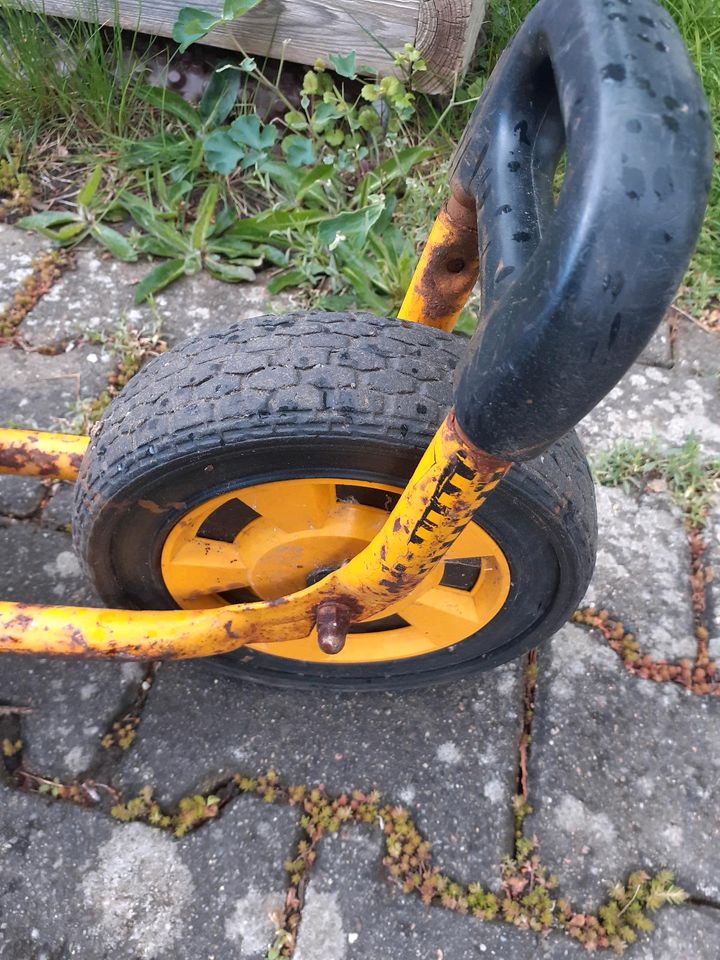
(89, 299)
(681, 933)
(17, 249)
(43, 392)
(353, 912)
(653, 403)
(73, 883)
(59, 510)
(72, 701)
(199, 304)
(449, 753)
(98, 295)
(642, 570)
(624, 774)
(696, 351)
(658, 352)
(20, 496)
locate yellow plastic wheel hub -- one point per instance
(264, 542)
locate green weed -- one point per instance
(689, 477)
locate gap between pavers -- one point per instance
(73, 883)
(624, 774)
(354, 912)
(448, 753)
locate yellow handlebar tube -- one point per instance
(449, 484)
(32, 453)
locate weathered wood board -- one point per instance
(445, 31)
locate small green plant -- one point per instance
(70, 227)
(689, 477)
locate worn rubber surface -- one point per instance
(318, 394)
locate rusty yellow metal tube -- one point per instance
(451, 481)
(32, 453)
(447, 270)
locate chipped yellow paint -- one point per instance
(449, 484)
(32, 453)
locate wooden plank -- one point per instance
(304, 30)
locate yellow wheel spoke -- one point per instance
(302, 530)
(442, 611)
(207, 566)
(472, 542)
(301, 505)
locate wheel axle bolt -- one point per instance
(333, 621)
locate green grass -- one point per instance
(66, 81)
(691, 479)
(72, 95)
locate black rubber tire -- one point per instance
(319, 394)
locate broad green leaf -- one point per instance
(351, 226)
(118, 245)
(90, 187)
(233, 247)
(233, 9)
(191, 25)
(230, 272)
(54, 218)
(222, 154)
(296, 120)
(156, 247)
(225, 219)
(345, 66)
(159, 277)
(178, 190)
(287, 178)
(70, 232)
(298, 150)
(288, 278)
(205, 210)
(324, 114)
(312, 178)
(249, 132)
(219, 97)
(274, 224)
(396, 167)
(147, 217)
(171, 102)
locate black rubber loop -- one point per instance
(572, 292)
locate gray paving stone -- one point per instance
(448, 753)
(97, 296)
(20, 496)
(43, 392)
(74, 883)
(653, 403)
(624, 773)
(642, 570)
(199, 304)
(59, 510)
(658, 352)
(17, 249)
(354, 912)
(86, 300)
(696, 351)
(72, 701)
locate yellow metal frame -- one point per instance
(451, 481)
